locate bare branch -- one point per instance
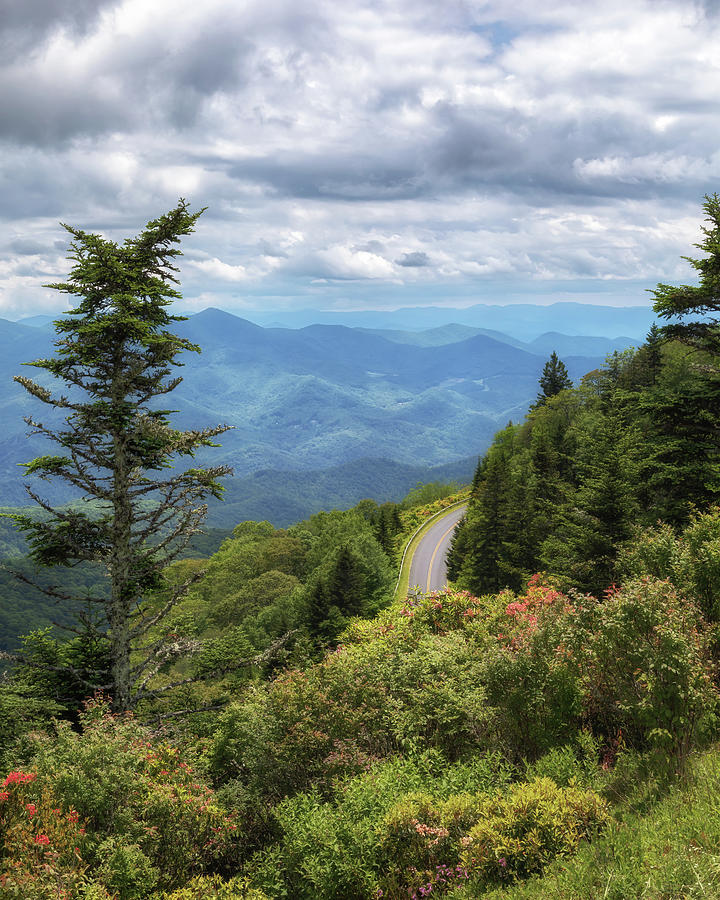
(258, 660)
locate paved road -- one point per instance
(428, 568)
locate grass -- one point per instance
(663, 844)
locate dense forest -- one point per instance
(547, 726)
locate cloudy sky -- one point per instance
(363, 153)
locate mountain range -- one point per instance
(342, 405)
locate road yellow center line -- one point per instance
(435, 551)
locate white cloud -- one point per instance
(501, 142)
(342, 262)
(215, 268)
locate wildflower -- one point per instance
(31, 808)
(42, 839)
(4, 795)
(19, 778)
(502, 862)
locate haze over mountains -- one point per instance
(360, 412)
(522, 321)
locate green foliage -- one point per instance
(42, 847)
(518, 834)
(646, 669)
(636, 441)
(149, 820)
(351, 846)
(659, 849)
(392, 687)
(702, 301)
(213, 887)
(691, 561)
(422, 494)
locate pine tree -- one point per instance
(116, 355)
(345, 583)
(554, 379)
(703, 300)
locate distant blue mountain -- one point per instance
(317, 398)
(523, 322)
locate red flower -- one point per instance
(42, 839)
(19, 778)
(31, 808)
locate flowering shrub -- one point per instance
(42, 847)
(355, 844)
(519, 833)
(400, 689)
(146, 817)
(645, 668)
(420, 842)
(212, 887)
(531, 678)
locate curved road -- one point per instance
(428, 569)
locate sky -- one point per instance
(361, 154)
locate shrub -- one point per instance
(531, 680)
(572, 765)
(645, 668)
(149, 817)
(519, 833)
(43, 848)
(399, 684)
(212, 887)
(356, 844)
(691, 561)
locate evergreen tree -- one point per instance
(345, 583)
(554, 379)
(600, 513)
(115, 354)
(485, 532)
(702, 300)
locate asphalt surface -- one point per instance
(428, 569)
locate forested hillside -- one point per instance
(636, 442)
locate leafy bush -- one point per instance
(636, 665)
(356, 844)
(519, 833)
(531, 682)
(42, 847)
(393, 687)
(212, 887)
(149, 819)
(645, 667)
(570, 765)
(691, 561)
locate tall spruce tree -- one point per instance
(116, 355)
(554, 379)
